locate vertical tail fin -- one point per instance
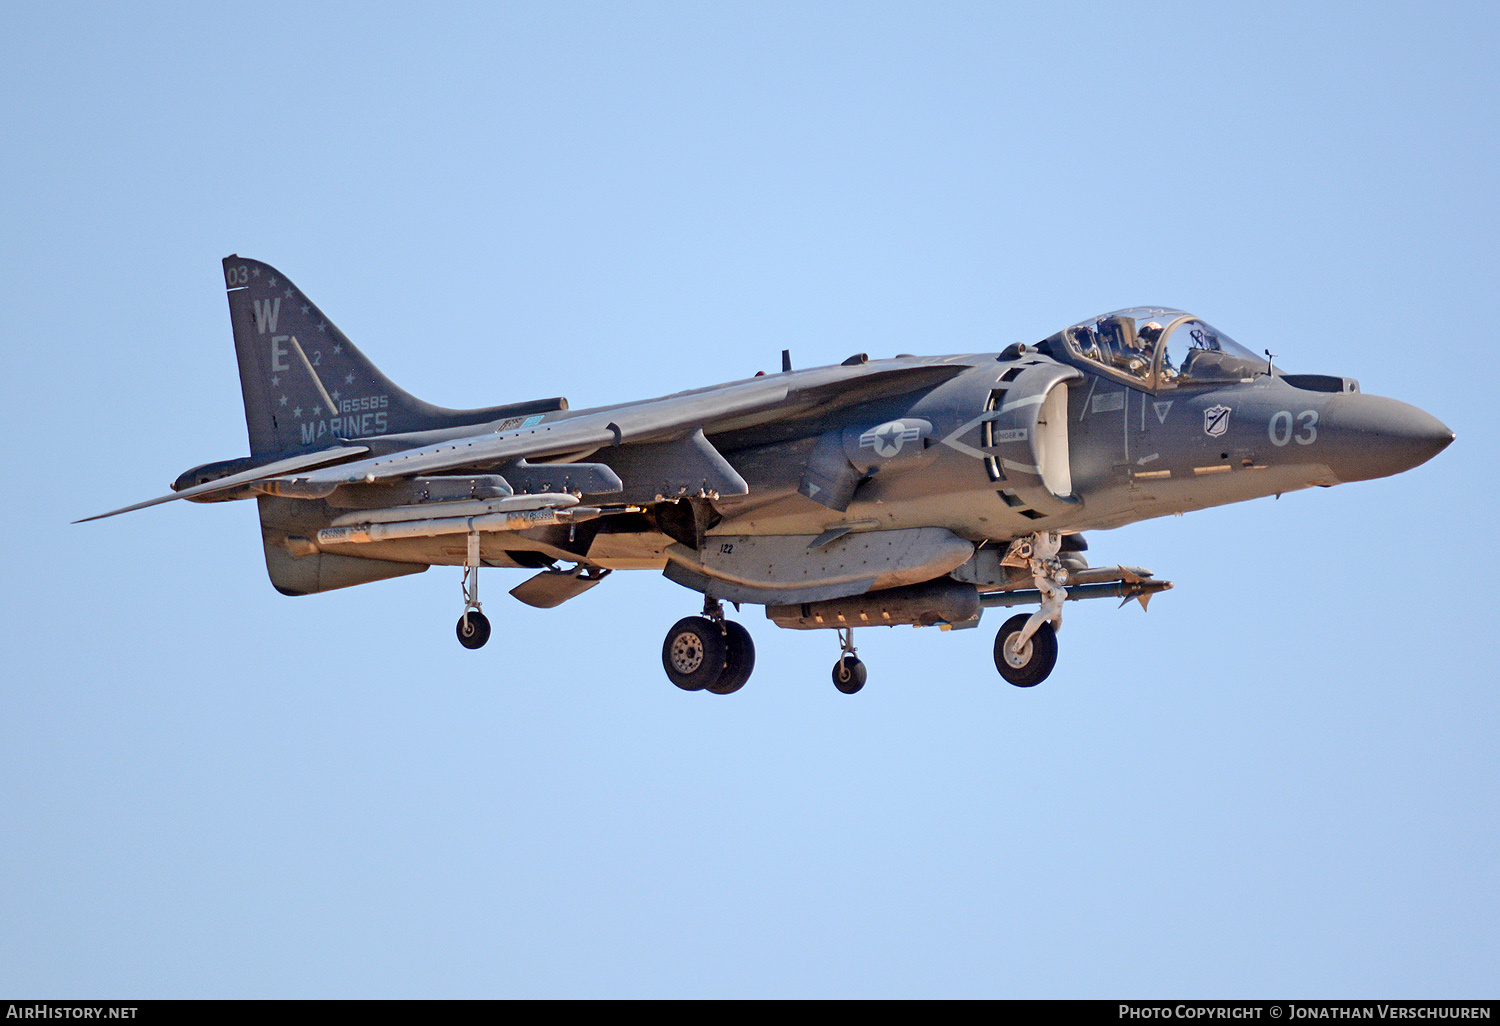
(305, 385)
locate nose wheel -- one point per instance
(849, 673)
(1026, 647)
(1023, 661)
(708, 652)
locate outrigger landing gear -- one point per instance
(1026, 647)
(849, 673)
(708, 652)
(473, 626)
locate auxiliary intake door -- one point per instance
(1025, 436)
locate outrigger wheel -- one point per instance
(473, 629)
(849, 673)
(1031, 665)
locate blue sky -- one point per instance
(1280, 782)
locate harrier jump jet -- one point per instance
(916, 491)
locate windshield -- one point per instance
(1195, 351)
(1160, 348)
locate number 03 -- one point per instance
(1280, 428)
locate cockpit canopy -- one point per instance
(1156, 348)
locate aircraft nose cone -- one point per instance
(1370, 436)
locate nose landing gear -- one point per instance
(1026, 647)
(1025, 663)
(708, 652)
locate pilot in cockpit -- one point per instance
(1134, 353)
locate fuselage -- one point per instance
(1131, 454)
(914, 490)
(1122, 453)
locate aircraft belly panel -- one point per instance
(888, 558)
(639, 551)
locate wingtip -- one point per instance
(101, 516)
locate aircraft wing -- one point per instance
(224, 484)
(658, 420)
(669, 418)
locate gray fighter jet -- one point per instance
(909, 491)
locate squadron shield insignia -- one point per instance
(911, 491)
(1215, 421)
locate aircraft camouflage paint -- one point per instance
(916, 490)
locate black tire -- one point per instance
(693, 653)
(739, 659)
(478, 629)
(1036, 660)
(849, 674)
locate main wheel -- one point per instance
(849, 674)
(1030, 666)
(694, 652)
(473, 629)
(739, 659)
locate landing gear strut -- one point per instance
(849, 673)
(1026, 647)
(708, 652)
(473, 626)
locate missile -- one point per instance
(1140, 590)
(455, 508)
(432, 527)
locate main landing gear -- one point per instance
(708, 652)
(1026, 647)
(473, 626)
